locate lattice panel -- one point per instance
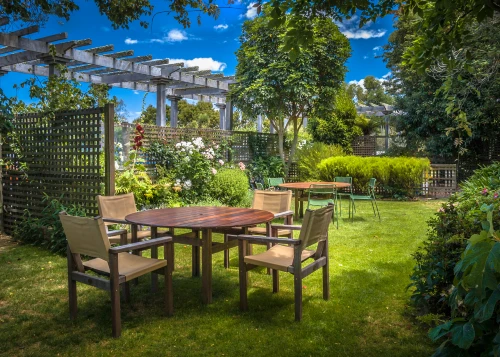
(62, 156)
(365, 146)
(440, 181)
(243, 143)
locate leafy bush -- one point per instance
(456, 221)
(47, 230)
(399, 176)
(308, 156)
(262, 168)
(458, 268)
(230, 187)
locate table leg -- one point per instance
(296, 204)
(134, 228)
(301, 204)
(206, 262)
(154, 255)
(195, 256)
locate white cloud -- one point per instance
(136, 92)
(350, 28)
(176, 35)
(365, 57)
(378, 48)
(129, 41)
(364, 34)
(221, 27)
(251, 11)
(203, 63)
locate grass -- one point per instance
(367, 313)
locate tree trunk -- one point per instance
(291, 156)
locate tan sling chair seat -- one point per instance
(278, 257)
(130, 266)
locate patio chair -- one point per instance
(369, 197)
(276, 202)
(88, 236)
(343, 192)
(113, 210)
(322, 195)
(287, 255)
(274, 182)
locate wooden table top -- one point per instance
(305, 185)
(200, 217)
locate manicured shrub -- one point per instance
(47, 230)
(400, 176)
(308, 156)
(230, 187)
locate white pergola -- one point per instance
(121, 69)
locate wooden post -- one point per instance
(2, 228)
(109, 149)
(222, 115)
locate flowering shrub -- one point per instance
(190, 165)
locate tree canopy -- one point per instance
(269, 83)
(371, 92)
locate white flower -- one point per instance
(221, 162)
(187, 159)
(187, 184)
(198, 142)
(214, 171)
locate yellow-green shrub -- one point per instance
(396, 175)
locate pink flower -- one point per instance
(221, 162)
(485, 191)
(441, 209)
(495, 195)
(214, 171)
(242, 166)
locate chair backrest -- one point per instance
(259, 186)
(274, 181)
(371, 186)
(316, 189)
(315, 226)
(86, 235)
(344, 179)
(272, 201)
(116, 206)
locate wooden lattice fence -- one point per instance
(245, 145)
(64, 157)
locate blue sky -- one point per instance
(211, 45)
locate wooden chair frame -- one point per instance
(320, 260)
(77, 273)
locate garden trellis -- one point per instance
(118, 69)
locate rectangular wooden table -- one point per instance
(204, 220)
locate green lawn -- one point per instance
(366, 315)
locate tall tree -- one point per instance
(199, 115)
(371, 92)
(269, 83)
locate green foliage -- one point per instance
(338, 126)
(46, 231)
(400, 176)
(230, 187)
(262, 168)
(372, 93)
(199, 115)
(135, 179)
(310, 154)
(475, 316)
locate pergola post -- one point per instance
(161, 95)
(259, 123)
(174, 110)
(222, 115)
(53, 61)
(229, 116)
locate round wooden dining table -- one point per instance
(300, 187)
(204, 220)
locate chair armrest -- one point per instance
(262, 239)
(286, 226)
(140, 245)
(283, 214)
(116, 232)
(115, 220)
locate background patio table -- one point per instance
(204, 219)
(300, 187)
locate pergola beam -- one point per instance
(201, 91)
(47, 39)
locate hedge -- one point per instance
(397, 176)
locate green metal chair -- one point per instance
(370, 197)
(274, 182)
(259, 186)
(344, 192)
(322, 195)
